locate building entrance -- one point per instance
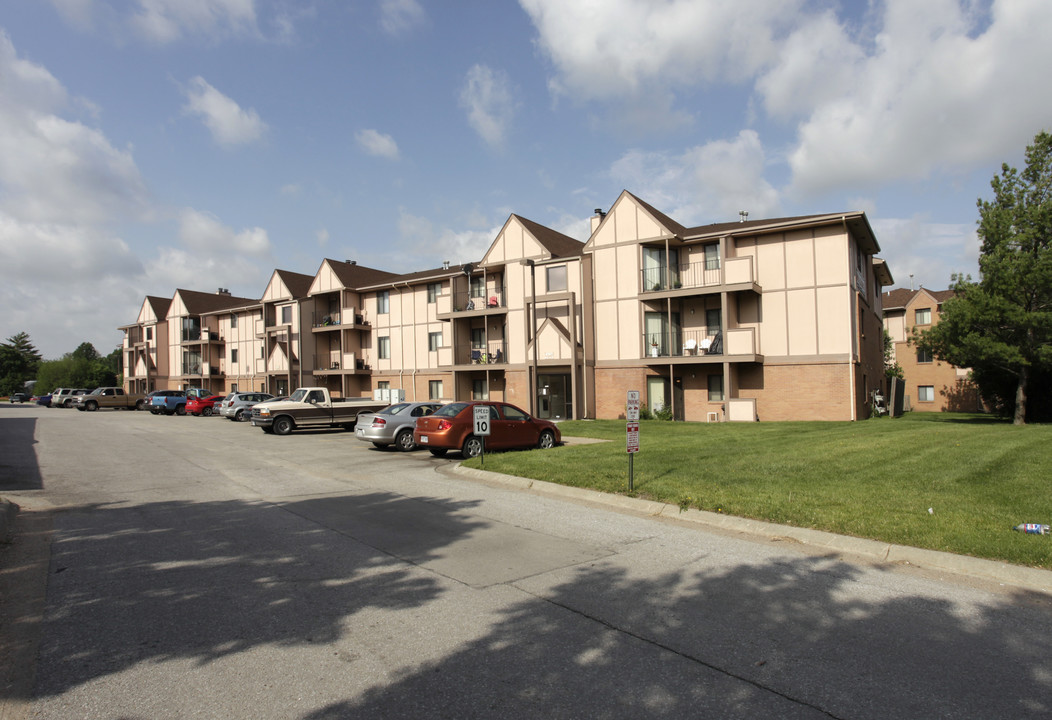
(553, 397)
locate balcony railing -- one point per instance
(703, 274)
(492, 299)
(736, 342)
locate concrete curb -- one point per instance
(991, 570)
(8, 510)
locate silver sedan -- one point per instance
(393, 425)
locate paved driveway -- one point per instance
(198, 568)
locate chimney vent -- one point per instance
(744, 215)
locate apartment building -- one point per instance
(145, 347)
(931, 385)
(764, 319)
(774, 319)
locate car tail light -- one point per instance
(444, 425)
(379, 422)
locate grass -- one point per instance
(873, 479)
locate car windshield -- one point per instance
(393, 409)
(450, 410)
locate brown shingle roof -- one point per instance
(555, 242)
(159, 305)
(197, 303)
(354, 276)
(297, 283)
(899, 298)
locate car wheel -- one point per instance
(91, 406)
(67, 404)
(282, 426)
(404, 441)
(140, 404)
(547, 440)
(207, 412)
(472, 447)
(241, 415)
(180, 409)
(438, 452)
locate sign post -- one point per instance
(481, 415)
(632, 433)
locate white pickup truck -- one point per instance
(310, 407)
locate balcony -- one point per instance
(700, 346)
(337, 363)
(493, 353)
(731, 275)
(345, 320)
(465, 304)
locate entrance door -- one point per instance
(657, 394)
(553, 397)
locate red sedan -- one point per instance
(203, 406)
(452, 427)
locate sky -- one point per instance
(151, 145)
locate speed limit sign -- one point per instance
(481, 419)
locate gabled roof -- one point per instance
(297, 283)
(198, 303)
(899, 298)
(354, 276)
(159, 306)
(555, 242)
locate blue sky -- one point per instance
(149, 145)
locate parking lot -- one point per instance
(196, 567)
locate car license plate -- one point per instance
(423, 439)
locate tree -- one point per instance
(892, 369)
(1001, 326)
(19, 361)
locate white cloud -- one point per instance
(400, 16)
(704, 184)
(934, 92)
(166, 21)
(176, 268)
(229, 124)
(457, 247)
(323, 237)
(204, 233)
(378, 144)
(489, 103)
(631, 46)
(931, 252)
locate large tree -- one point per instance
(19, 361)
(1001, 326)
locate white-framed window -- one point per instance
(923, 356)
(712, 256)
(383, 384)
(556, 278)
(478, 390)
(383, 347)
(434, 390)
(233, 322)
(433, 291)
(286, 314)
(434, 341)
(925, 393)
(715, 388)
(383, 302)
(478, 286)
(922, 316)
(233, 356)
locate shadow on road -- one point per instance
(18, 461)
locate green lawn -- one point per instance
(874, 479)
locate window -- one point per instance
(478, 286)
(149, 333)
(233, 322)
(233, 356)
(383, 384)
(922, 316)
(433, 291)
(712, 256)
(434, 390)
(926, 393)
(434, 341)
(478, 338)
(383, 302)
(712, 321)
(514, 414)
(556, 278)
(715, 388)
(923, 356)
(478, 390)
(286, 314)
(383, 346)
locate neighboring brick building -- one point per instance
(931, 385)
(775, 319)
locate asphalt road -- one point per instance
(197, 568)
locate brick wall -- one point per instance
(803, 392)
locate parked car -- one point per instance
(452, 427)
(311, 407)
(58, 395)
(44, 400)
(20, 397)
(238, 406)
(168, 402)
(202, 405)
(66, 397)
(109, 397)
(393, 425)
